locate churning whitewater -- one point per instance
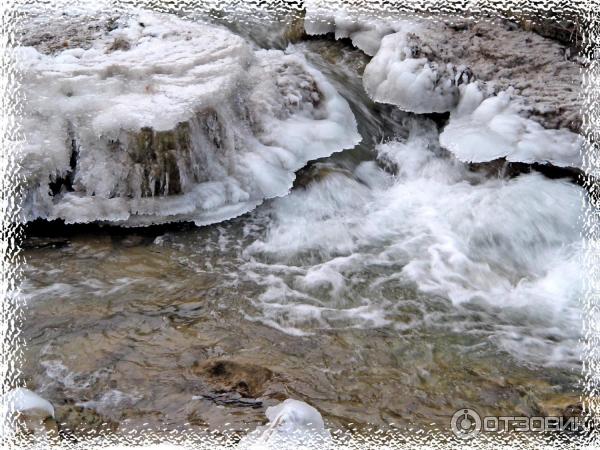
(377, 234)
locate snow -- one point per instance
(170, 120)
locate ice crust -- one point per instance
(162, 119)
(397, 74)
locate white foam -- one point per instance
(242, 123)
(511, 244)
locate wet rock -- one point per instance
(35, 242)
(316, 173)
(224, 376)
(294, 32)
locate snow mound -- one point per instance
(482, 130)
(292, 424)
(161, 119)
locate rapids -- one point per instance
(393, 284)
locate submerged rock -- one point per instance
(247, 380)
(156, 119)
(78, 422)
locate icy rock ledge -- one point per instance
(526, 109)
(159, 119)
(481, 130)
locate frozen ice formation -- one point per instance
(399, 74)
(403, 71)
(158, 119)
(365, 33)
(485, 130)
(292, 423)
(25, 402)
(427, 66)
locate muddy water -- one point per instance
(206, 327)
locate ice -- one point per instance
(397, 74)
(22, 401)
(365, 32)
(163, 119)
(400, 72)
(482, 130)
(292, 424)
(423, 66)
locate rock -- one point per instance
(316, 172)
(225, 376)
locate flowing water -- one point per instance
(392, 285)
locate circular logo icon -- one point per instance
(466, 423)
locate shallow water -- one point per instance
(377, 296)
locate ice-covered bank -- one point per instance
(425, 65)
(147, 118)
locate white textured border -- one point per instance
(585, 11)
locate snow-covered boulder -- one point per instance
(158, 119)
(403, 74)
